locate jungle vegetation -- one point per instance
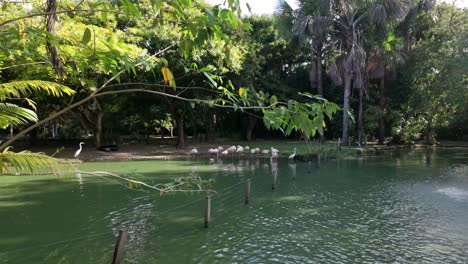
(390, 70)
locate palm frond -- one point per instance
(15, 115)
(32, 163)
(18, 89)
(384, 10)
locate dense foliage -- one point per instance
(140, 69)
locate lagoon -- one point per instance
(406, 207)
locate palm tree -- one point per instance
(390, 52)
(313, 27)
(352, 21)
(381, 66)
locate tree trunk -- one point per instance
(347, 94)
(98, 129)
(51, 8)
(319, 74)
(430, 131)
(180, 130)
(360, 117)
(320, 83)
(382, 112)
(250, 128)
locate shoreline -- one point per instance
(149, 152)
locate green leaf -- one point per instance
(26, 161)
(130, 8)
(273, 100)
(15, 115)
(242, 92)
(86, 36)
(207, 75)
(18, 89)
(104, 16)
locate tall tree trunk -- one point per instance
(319, 74)
(360, 117)
(250, 128)
(430, 131)
(50, 26)
(320, 82)
(98, 129)
(180, 130)
(347, 94)
(382, 112)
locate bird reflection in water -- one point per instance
(274, 172)
(292, 167)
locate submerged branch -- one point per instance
(162, 188)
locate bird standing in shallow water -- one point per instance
(77, 153)
(292, 156)
(274, 155)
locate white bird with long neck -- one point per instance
(77, 153)
(232, 148)
(274, 150)
(274, 155)
(214, 151)
(194, 151)
(292, 156)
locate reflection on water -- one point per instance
(274, 172)
(293, 169)
(404, 208)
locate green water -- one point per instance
(408, 207)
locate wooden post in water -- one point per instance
(119, 247)
(208, 211)
(247, 192)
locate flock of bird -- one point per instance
(240, 150)
(230, 150)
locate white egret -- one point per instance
(232, 148)
(225, 152)
(274, 150)
(77, 153)
(265, 151)
(292, 156)
(252, 151)
(194, 151)
(240, 149)
(220, 148)
(247, 148)
(274, 155)
(215, 151)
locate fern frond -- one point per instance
(15, 115)
(17, 89)
(33, 163)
